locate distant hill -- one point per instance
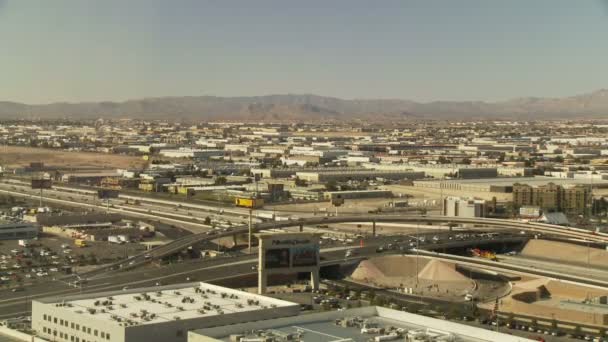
(314, 108)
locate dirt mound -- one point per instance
(565, 252)
(367, 271)
(436, 270)
(397, 265)
(434, 277)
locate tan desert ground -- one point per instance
(17, 156)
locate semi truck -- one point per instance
(251, 203)
(80, 243)
(114, 239)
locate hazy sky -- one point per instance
(79, 50)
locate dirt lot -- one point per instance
(16, 156)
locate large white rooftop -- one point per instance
(158, 305)
(346, 326)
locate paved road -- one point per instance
(564, 267)
(14, 304)
(169, 213)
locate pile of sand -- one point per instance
(565, 252)
(440, 271)
(411, 272)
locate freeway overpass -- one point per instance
(185, 242)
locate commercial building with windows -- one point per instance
(18, 230)
(571, 199)
(154, 314)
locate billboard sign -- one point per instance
(107, 193)
(304, 256)
(42, 183)
(337, 201)
(288, 253)
(281, 252)
(277, 258)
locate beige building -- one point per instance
(572, 200)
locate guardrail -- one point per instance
(522, 269)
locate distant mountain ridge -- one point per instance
(313, 108)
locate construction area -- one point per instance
(415, 275)
(548, 299)
(568, 253)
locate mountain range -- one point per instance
(309, 108)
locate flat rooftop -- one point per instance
(507, 181)
(347, 325)
(157, 305)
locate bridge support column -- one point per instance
(301, 227)
(250, 231)
(262, 275)
(374, 228)
(314, 279)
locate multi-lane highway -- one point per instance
(62, 196)
(13, 304)
(109, 277)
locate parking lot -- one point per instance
(49, 256)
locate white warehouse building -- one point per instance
(154, 314)
(184, 152)
(463, 207)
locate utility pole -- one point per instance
(250, 230)
(417, 251)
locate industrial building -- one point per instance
(92, 178)
(17, 230)
(342, 176)
(291, 171)
(503, 185)
(191, 153)
(154, 314)
(358, 194)
(463, 207)
(355, 325)
(440, 170)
